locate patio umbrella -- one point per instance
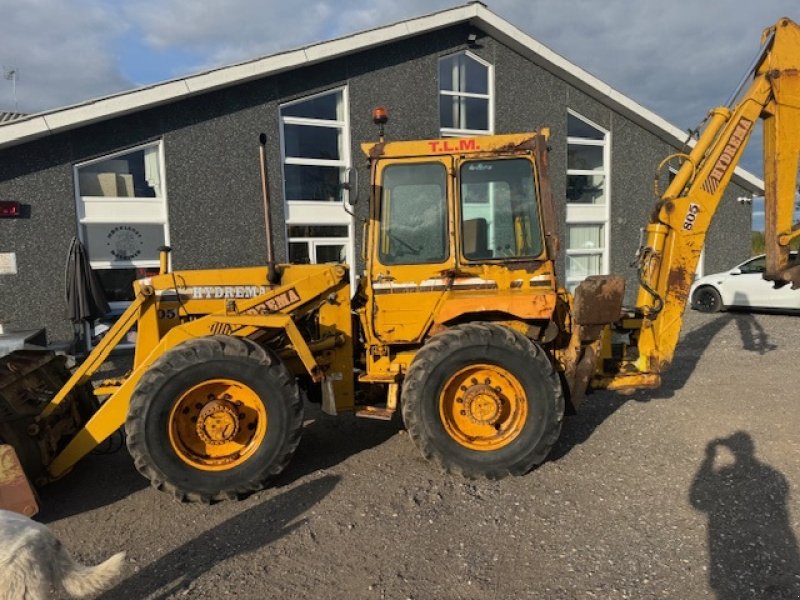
(85, 298)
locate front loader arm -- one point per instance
(675, 236)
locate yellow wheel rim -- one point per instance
(217, 424)
(483, 407)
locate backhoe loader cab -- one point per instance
(458, 230)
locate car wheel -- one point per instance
(707, 299)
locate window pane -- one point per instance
(328, 253)
(582, 265)
(448, 111)
(585, 158)
(476, 77)
(758, 265)
(337, 231)
(456, 112)
(136, 174)
(586, 189)
(118, 283)
(299, 253)
(477, 113)
(446, 66)
(500, 215)
(123, 243)
(322, 107)
(413, 214)
(303, 141)
(578, 128)
(312, 183)
(586, 237)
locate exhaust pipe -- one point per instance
(272, 274)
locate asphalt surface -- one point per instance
(686, 492)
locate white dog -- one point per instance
(33, 561)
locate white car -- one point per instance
(742, 287)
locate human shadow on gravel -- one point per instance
(752, 549)
(248, 531)
(601, 404)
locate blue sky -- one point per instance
(679, 59)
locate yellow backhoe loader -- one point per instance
(458, 319)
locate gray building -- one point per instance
(178, 163)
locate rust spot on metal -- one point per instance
(669, 206)
(678, 280)
(377, 150)
(549, 221)
(529, 266)
(790, 275)
(528, 144)
(598, 299)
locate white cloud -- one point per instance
(63, 52)
(679, 59)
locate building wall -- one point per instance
(212, 170)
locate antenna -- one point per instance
(11, 74)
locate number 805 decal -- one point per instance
(691, 215)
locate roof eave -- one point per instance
(40, 125)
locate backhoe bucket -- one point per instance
(28, 380)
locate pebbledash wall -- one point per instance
(209, 183)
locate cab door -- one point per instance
(411, 246)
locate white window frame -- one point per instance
(93, 210)
(311, 212)
(591, 214)
(118, 210)
(458, 131)
(314, 241)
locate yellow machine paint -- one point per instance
(458, 318)
(675, 236)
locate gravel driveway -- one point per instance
(685, 492)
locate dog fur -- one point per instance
(33, 561)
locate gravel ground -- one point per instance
(684, 492)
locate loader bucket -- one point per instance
(16, 492)
(28, 380)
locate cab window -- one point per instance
(499, 211)
(413, 214)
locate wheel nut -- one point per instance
(463, 412)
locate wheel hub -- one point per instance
(482, 404)
(218, 422)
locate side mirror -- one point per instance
(736, 271)
(351, 185)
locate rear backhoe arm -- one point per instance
(675, 235)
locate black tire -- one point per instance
(456, 349)
(707, 299)
(188, 365)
